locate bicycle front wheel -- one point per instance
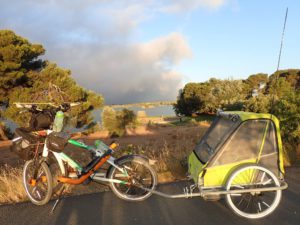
(136, 175)
(37, 181)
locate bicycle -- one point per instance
(130, 177)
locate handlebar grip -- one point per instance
(34, 109)
(113, 145)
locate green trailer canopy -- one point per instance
(235, 138)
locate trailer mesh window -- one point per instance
(244, 144)
(219, 130)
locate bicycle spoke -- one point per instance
(38, 194)
(266, 204)
(263, 177)
(259, 206)
(127, 168)
(137, 165)
(267, 182)
(40, 175)
(128, 190)
(147, 178)
(242, 199)
(120, 175)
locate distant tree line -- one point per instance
(278, 94)
(26, 77)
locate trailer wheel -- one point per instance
(253, 204)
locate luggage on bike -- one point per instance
(57, 141)
(41, 120)
(30, 140)
(28, 145)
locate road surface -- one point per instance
(106, 209)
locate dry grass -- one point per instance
(11, 186)
(170, 151)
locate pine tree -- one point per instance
(24, 77)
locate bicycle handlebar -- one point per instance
(33, 107)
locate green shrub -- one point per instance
(260, 104)
(117, 121)
(287, 109)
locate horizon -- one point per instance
(145, 51)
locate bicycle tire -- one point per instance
(39, 189)
(142, 175)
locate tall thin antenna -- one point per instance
(282, 36)
(279, 57)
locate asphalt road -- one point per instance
(106, 209)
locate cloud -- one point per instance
(96, 40)
(139, 72)
(179, 6)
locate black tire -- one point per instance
(253, 204)
(39, 188)
(140, 174)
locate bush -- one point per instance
(126, 117)
(209, 96)
(116, 122)
(287, 109)
(260, 104)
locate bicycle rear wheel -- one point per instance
(136, 175)
(37, 181)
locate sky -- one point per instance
(146, 50)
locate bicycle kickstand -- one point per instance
(58, 199)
